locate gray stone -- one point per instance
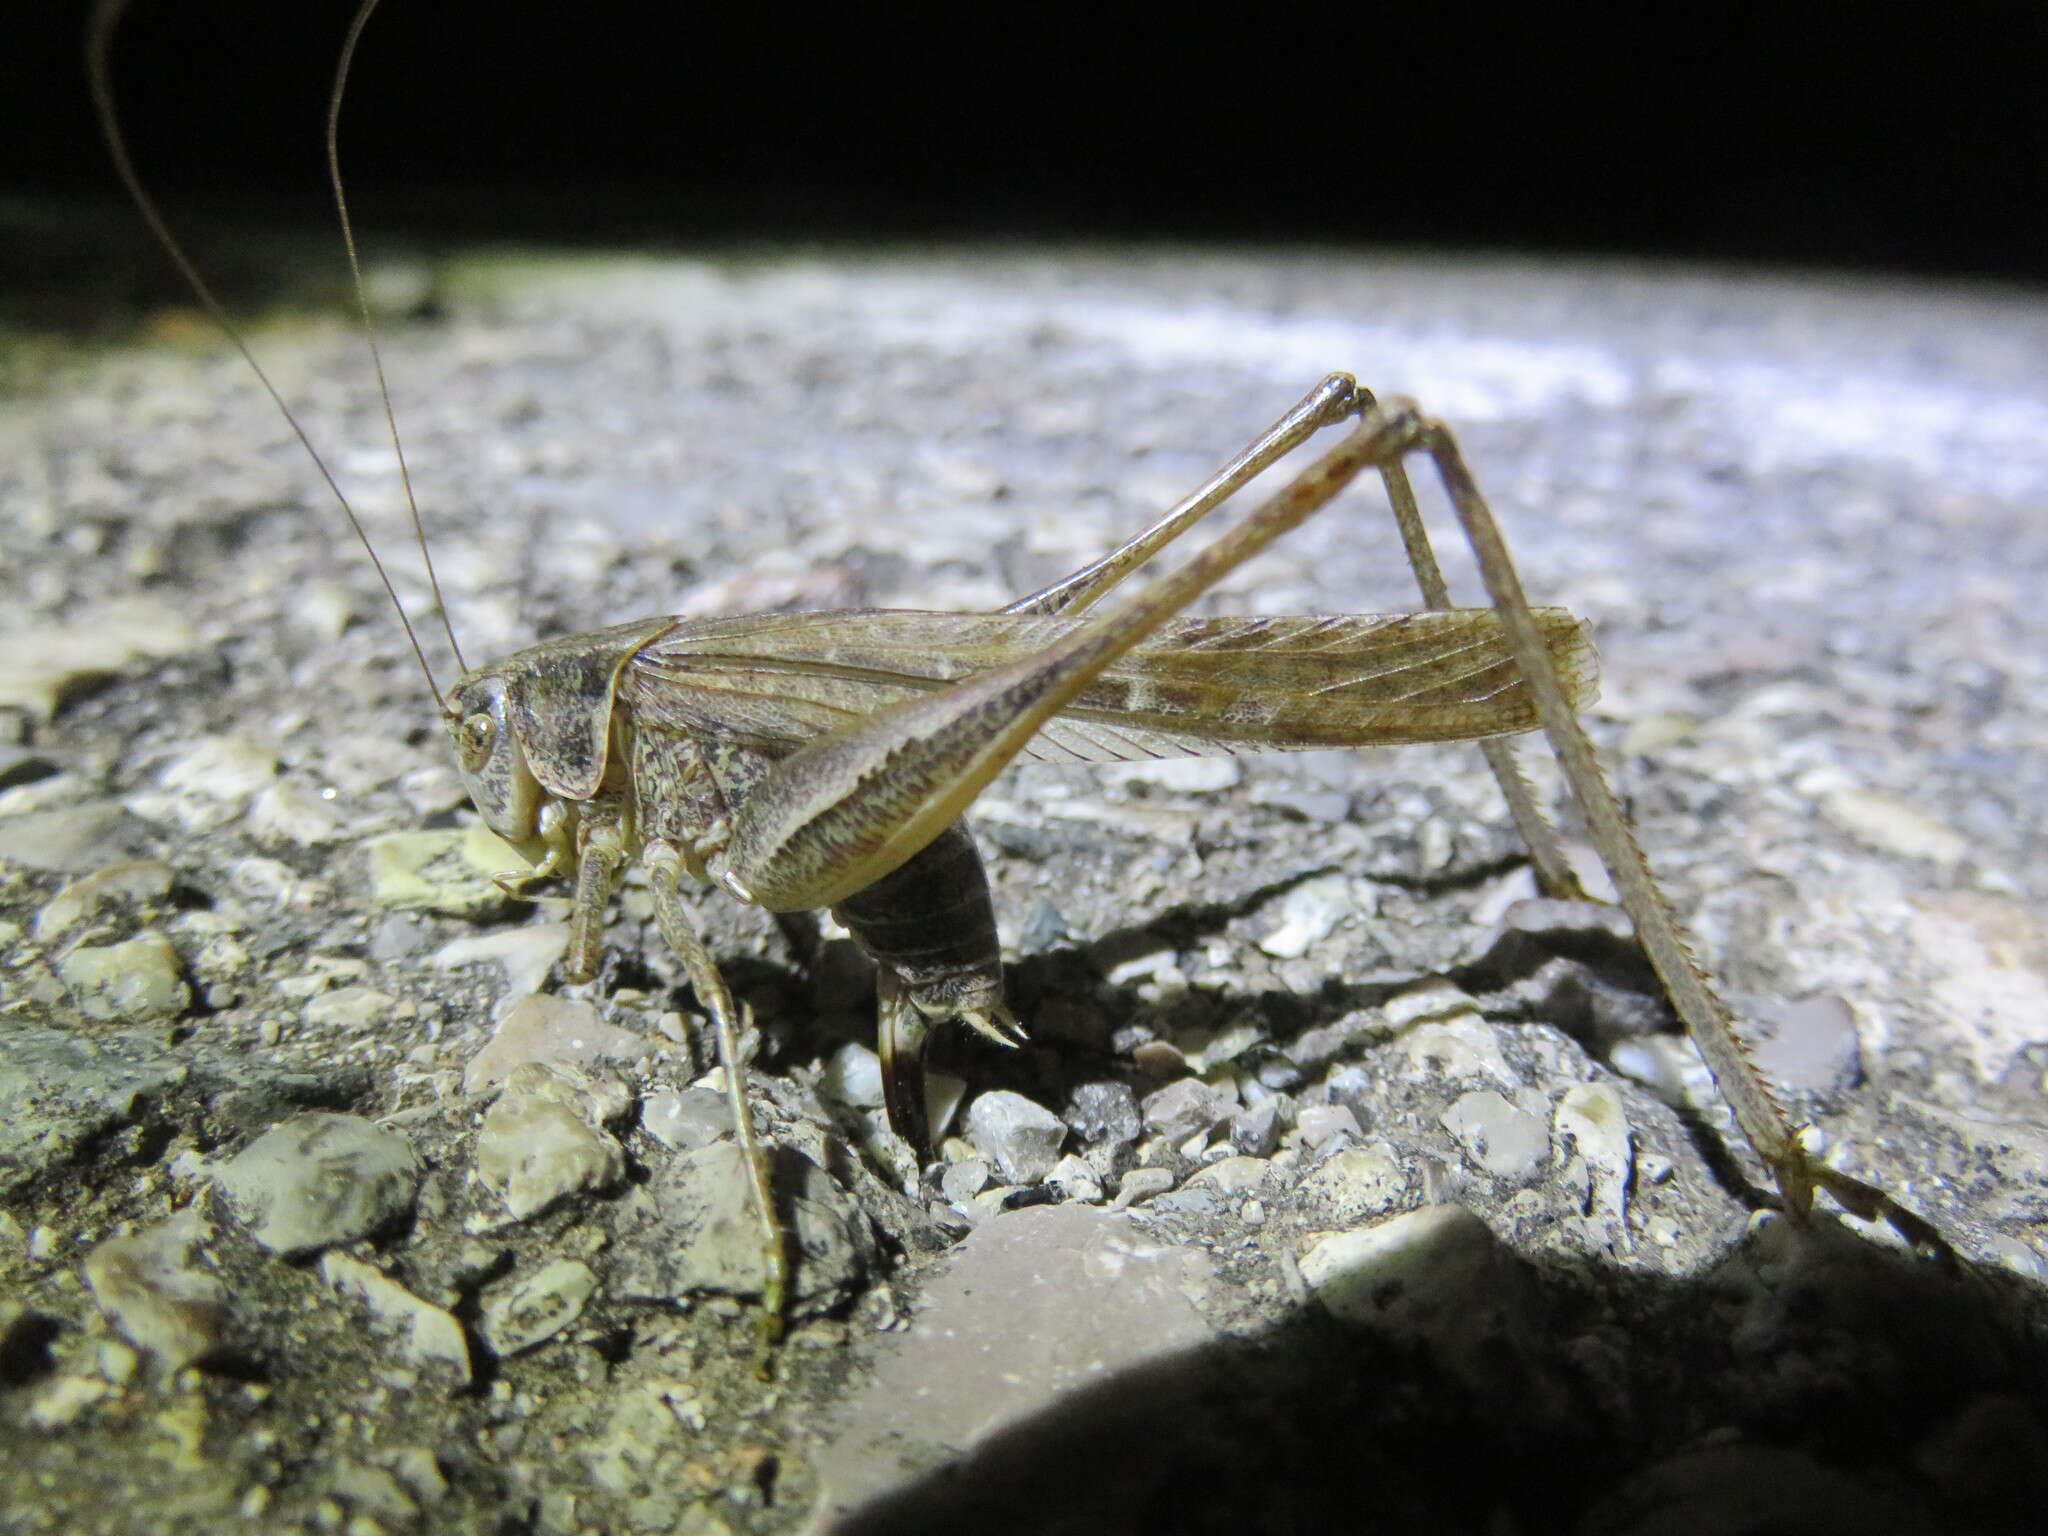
(136, 884)
(853, 1076)
(224, 769)
(139, 978)
(1255, 1132)
(153, 1286)
(536, 1307)
(451, 872)
(1591, 1118)
(372, 1493)
(544, 1028)
(1309, 914)
(692, 1230)
(1461, 1047)
(1142, 1184)
(45, 664)
(1325, 805)
(1439, 1278)
(1044, 926)
(1104, 1114)
(73, 839)
(428, 1336)
(1187, 1108)
(1232, 1175)
(290, 811)
(1075, 1179)
(962, 1181)
(417, 1468)
(687, 1119)
(1319, 1124)
(1508, 1142)
(1809, 1046)
(351, 1009)
(319, 1181)
(1020, 1136)
(1322, 1045)
(545, 1137)
(1668, 1065)
(1035, 1304)
(1353, 1183)
(1179, 775)
(524, 954)
(1432, 1001)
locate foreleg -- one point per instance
(665, 871)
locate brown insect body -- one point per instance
(675, 733)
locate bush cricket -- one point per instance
(825, 760)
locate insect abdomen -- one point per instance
(932, 922)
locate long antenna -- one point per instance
(355, 267)
(106, 17)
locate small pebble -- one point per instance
(1232, 1175)
(1508, 1142)
(1075, 1179)
(1255, 1132)
(226, 769)
(962, 1181)
(544, 1139)
(135, 883)
(1892, 825)
(551, 1030)
(1141, 1184)
(135, 980)
(319, 1181)
(687, 1120)
(1188, 1108)
(1322, 1045)
(1440, 1278)
(853, 1076)
(537, 1307)
(427, 1335)
(449, 872)
(1809, 1046)
(1459, 1047)
(1308, 914)
(354, 1009)
(153, 1287)
(691, 1230)
(44, 665)
(72, 839)
(373, 1494)
(1318, 1124)
(1591, 1116)
(1022, 1138)
(1429, 1000)
(290, 811)
(525, 954)
(1104, 1114)
(1354, 1183)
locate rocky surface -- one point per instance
(1342, 1186)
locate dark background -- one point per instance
(1875, 136)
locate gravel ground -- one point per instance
(1341, 1188)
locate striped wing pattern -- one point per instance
(1196, 687)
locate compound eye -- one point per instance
(478, 733)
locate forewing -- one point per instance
(1198, 686)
